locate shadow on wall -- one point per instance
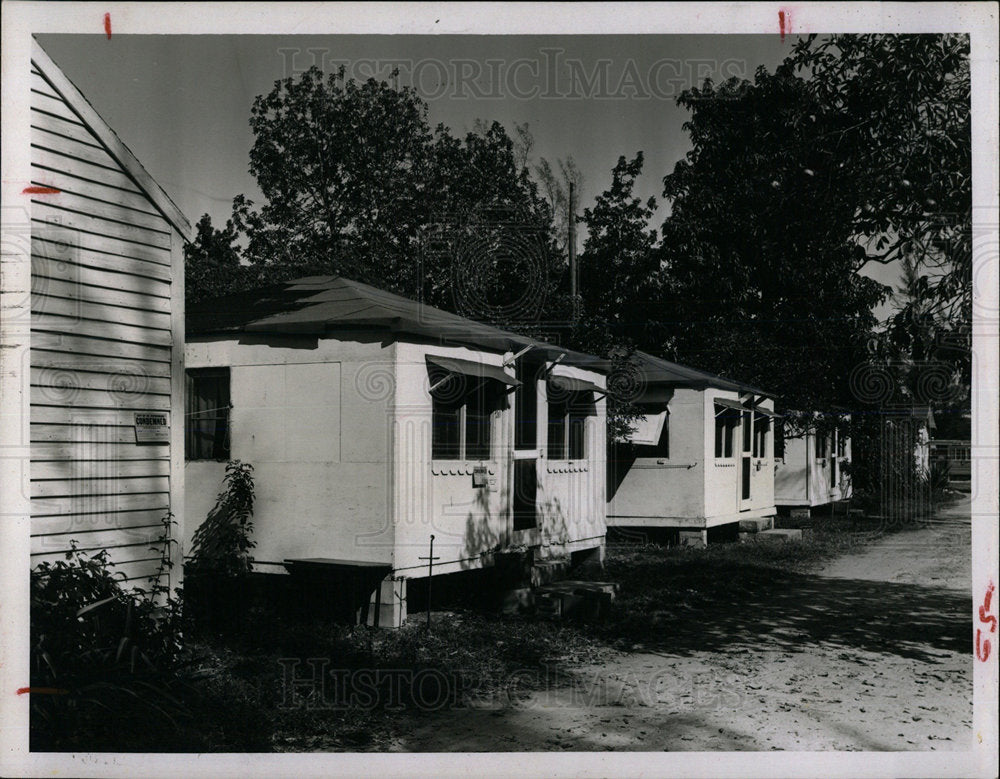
(620, 460)
(483, 527)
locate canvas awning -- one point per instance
(648, 429)
(766, 412)
(569, 384)
(475, 370)
(733, 405)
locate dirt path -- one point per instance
(870, 652)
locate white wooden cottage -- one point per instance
(812, 466)
(95, 364)
(373, 422)
(700, 459)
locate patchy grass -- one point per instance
(233, 692)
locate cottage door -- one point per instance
(746, 459)
(524, 510)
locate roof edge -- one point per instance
(114, 145)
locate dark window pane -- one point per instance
(747, 430)
(525, 488)
(720, 433)
(207, 414)
(445, 431)
(525, 406)
(779, 440)
(477, 427)
(577, 437)
(557, 431)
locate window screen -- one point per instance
(207, 415)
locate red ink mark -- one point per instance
(781, 23)
(107, 25)
(42, 691)
(33, 190)
(983, 644)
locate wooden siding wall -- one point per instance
(106, 341)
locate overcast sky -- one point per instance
(182, 102)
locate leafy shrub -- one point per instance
(101, 655)
(222, 544)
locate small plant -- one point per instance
(101, 655)
(222, 544)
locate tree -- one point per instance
(759, 250)
(212, 262)
(355, 182)
(905, 140)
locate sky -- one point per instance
(182, 102)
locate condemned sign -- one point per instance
(151, 428)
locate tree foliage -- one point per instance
(212, 264)
(355, 182)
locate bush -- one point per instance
(102, 656)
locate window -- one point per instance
(820, 445)
(567, 431)
(841, 445)
(206, 432)
(661, 449)
(726, 420)
(526, 405)
(761, 425)
(462, 419)
(779, 441)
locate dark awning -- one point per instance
(567, 384)
(476, 370)
(735, 405)
(765, 411)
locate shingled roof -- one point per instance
(656, 371)
(324, 305)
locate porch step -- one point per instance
(781, 534)
(577, 600)
(756, 524)
(546, 571)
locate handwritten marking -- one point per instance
(33, 190)
(42, 691)
(107, 25)
(983, 644)
(784, 23)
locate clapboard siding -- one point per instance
(87, 188)
(77, 325)
(70, 433)
(126, 485)
(97, 376)
(115, 212)
(98, 469)
(45, 303)
(46, 160)
(51, 246)
(71, 524)
(59, 360)
(106, 335)
(98, 504)
(99, 539)
(99, 347)
(123, 234)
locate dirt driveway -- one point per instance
(871, 651)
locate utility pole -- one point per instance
(571, 242)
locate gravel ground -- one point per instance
(869, 651)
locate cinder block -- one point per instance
(392, 607)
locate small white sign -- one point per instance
(152, 427)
